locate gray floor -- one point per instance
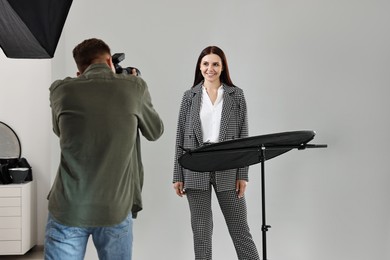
(36, 253)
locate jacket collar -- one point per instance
(97, 66)
(197, 89)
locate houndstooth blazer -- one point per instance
(234, 124)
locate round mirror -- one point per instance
(9, 143)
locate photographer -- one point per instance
(97, 191)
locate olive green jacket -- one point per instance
(98, 118)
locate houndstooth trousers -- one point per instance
(235, 213)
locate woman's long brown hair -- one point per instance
(225, 76)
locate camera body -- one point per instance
(116, 59)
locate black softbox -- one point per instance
(30, 29)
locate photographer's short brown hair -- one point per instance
(89, 50)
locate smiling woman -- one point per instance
(213, 110)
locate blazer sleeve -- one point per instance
(184, 112)
(242, 173)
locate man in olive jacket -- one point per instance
(98, 117)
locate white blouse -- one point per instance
(210, 116)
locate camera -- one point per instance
(116, 59)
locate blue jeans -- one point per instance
(69, 243)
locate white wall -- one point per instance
(24, 106)
(320, 65)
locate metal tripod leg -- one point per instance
(264, 227)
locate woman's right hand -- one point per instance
(179, 188)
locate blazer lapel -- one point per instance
(195, 112)
(228, 102)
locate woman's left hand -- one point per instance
(240, 188)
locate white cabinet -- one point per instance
(17, 218)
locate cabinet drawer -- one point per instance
(10, 211)
(7, 247)
(10, 222)
(10, 234)
(10, 192)
(10, 202)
